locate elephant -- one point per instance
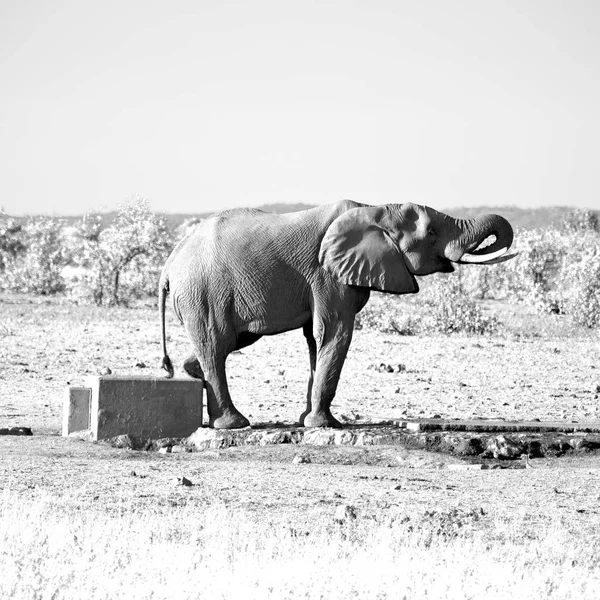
(245, 273)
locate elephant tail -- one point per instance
(163, 290)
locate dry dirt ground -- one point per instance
(535, 368)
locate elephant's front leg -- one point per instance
(332, 343)
(312, 354)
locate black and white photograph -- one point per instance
(299, 300)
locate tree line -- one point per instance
(557, 269)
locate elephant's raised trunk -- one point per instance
(483, 240)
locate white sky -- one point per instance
(199, 105)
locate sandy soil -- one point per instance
(520, 374)
(47, 346)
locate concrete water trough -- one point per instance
(145, 407)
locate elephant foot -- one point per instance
(320, 419)
(229, 420)
(192, 367)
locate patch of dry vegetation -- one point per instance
(53, 551)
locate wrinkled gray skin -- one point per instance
(245, 273)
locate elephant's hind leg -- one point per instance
(192, 367)
(222, 414)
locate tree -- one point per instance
(11, 244)
(33, 255)
(129, 251)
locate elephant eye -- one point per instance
(431, 232)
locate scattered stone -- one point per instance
(301, 459)
(167, 442)
(505, 447)
(270, 438)
(211, 453)
(16, 431)
(140, 365)
(105, 371)
(204, 438)
(463, 446)
(466, 467)
(165, 450)
(387, 368)
(125, 441)
(320, 437)
(183, 481)
(180, 449)
(345, 512)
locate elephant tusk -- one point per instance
(486, 259)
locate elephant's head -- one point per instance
(384, 247)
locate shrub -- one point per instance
(11, 243)
(385, 313)
(583, 299)
(579, 220)
(452, 310)
(37, 265)
(534, 275)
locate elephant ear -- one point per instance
(358, 250)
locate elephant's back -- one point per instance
(253, 242)
(247, 232)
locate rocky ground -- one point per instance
(530, 370)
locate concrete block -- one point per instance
(76, 410)
(145, 407)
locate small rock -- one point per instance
(183, 481)
(105, 371)
(140, 365)
(16, 431)
(179, 449)
(463, 467)
(124, 441)
(211, 453)
(300, 459)
(345, 512)
(505, 447)
(165, 450)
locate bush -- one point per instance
(583, 300)
(37, 265)
(537, 268)
(11, 243)
(384, 313)
(452, 310)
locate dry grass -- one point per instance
(50, 551)
(258, 526)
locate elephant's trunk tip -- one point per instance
(167, 365)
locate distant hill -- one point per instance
(525, 218)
